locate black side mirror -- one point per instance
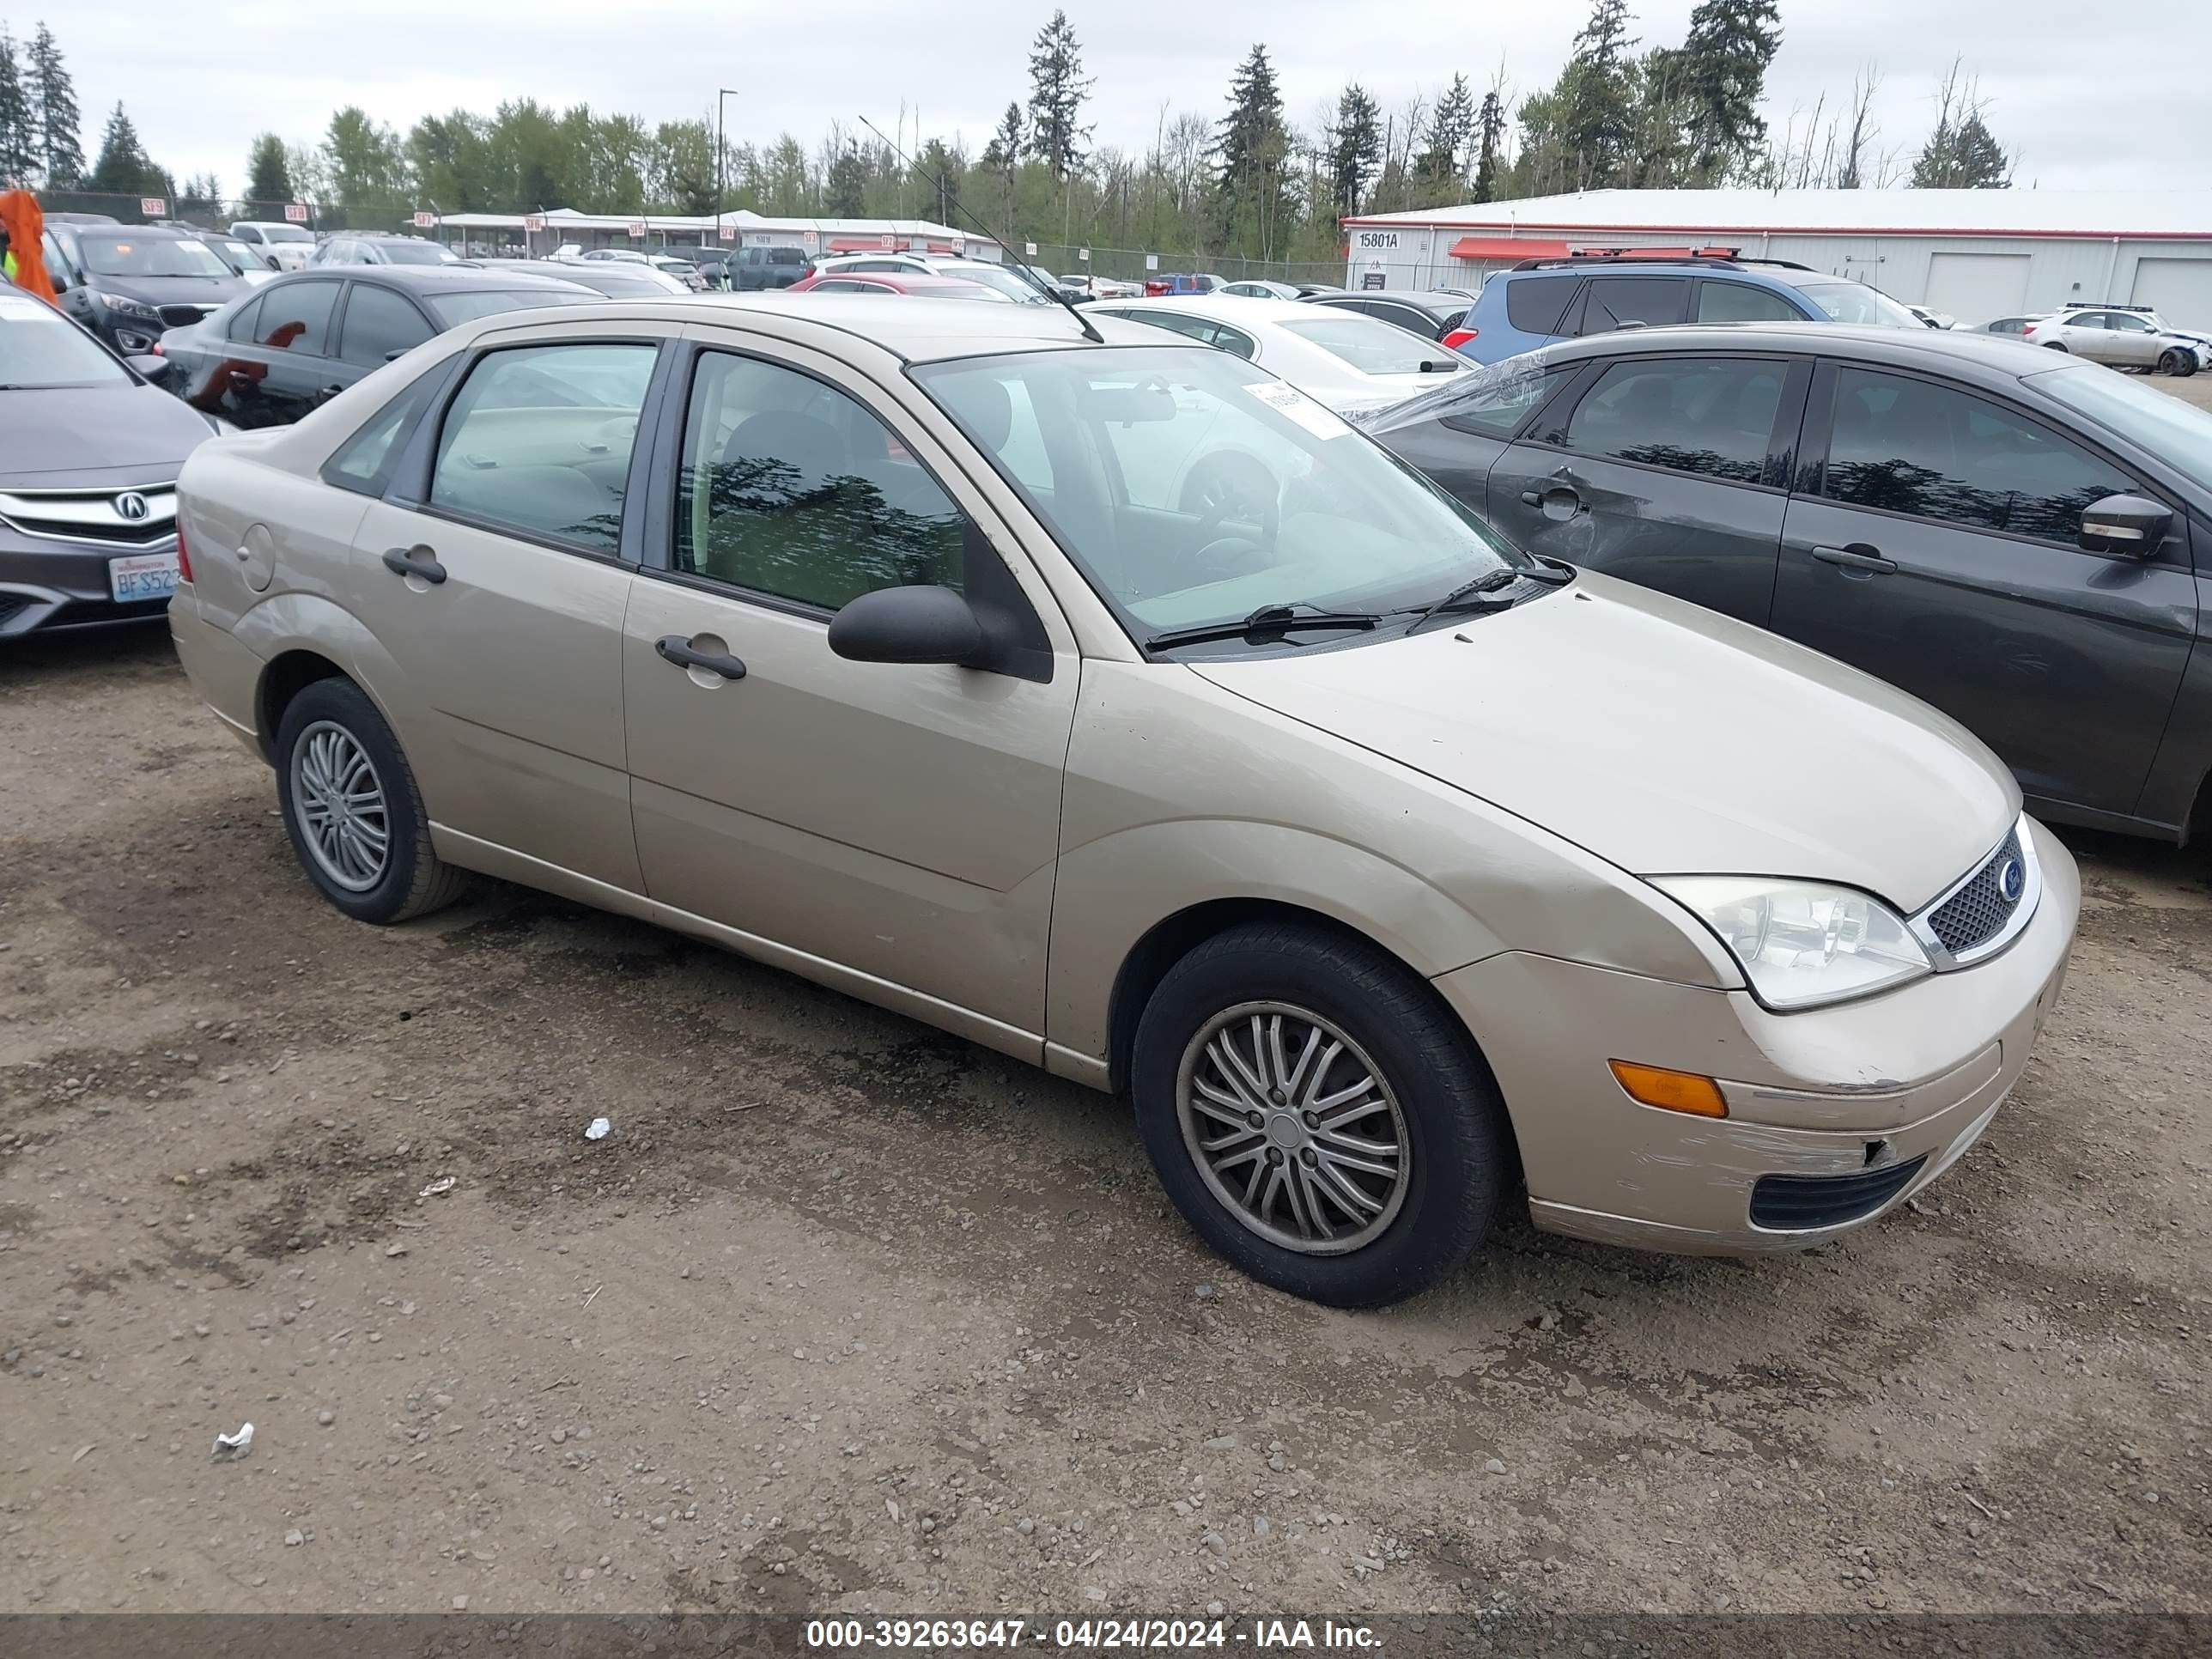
(2126, 524)
(150, 367)
(910, 625)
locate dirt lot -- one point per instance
(849, 1314)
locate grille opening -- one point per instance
(1796, 1203)
(1977, 912)
(1873, 1150)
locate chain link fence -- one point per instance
(1130, 265)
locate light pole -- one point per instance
(721, 95)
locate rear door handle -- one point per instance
(1557, 489)
(332, 390)
(1858, 557)
(674, 648)
(413, 561)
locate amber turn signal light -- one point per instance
(1670, 1091)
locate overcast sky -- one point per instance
(2105, 95)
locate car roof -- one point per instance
(1902, 348)
(1427, 299)
(1229, 307)
(155, 233)
(428, 279)
(920, 281)
(917, 334)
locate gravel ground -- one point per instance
(846, 1313)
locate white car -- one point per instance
(1933, 318)
(1004, 278)
(290, 245)
(1343, 359)
(2123, 337)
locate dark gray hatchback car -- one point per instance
(2025, 544)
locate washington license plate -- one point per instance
(142, 576)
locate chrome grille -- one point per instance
(95, 515)
(1978, 911)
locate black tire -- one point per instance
(2054, 346)
(2169, 362)
(414, 880)
(1459, 1160)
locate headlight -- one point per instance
(1802, 944)
(124, 306)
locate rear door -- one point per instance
(493, 575)
(1667, 471)
(1936, 546)
(377, 325)
(1460, 443)
(1611, 303)
(899, 821)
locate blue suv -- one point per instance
(1540, 300)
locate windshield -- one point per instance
(452, 310)
(39, 349)
(1192, 489)
(419, 253)
(1854, 302)
(2178, 433)
(1013, 287)
(125, 254)
(235, 254)
(1370, 345)
(284, 234)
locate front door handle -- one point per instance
(1858, 558)
(674, 648)
(1560, 499)
(413, 561)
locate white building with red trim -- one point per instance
(541, 232)
(1975, 254)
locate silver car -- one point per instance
(1391, 874)
(2123, 337)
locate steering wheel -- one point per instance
(1233, 554)
(1225, 500)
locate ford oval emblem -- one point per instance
(2012, 880)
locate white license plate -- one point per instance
(142, 576)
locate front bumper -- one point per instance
(1835, 1101)
(48, 587)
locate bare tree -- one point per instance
(1851, 174)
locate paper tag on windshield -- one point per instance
(1282, 396)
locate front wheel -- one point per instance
(2169, 362)
(357, 820)
(1318, 1116)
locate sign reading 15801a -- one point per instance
(1376, 241)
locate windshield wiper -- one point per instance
(1484, 593)
(1267, 619)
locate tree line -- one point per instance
(1248, 182)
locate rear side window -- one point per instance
(1711, 417)
(244, 321)
(296, 317)
(1908, 446)
(786, 256)
(1534, 304)
(1650, 300)
(539, 439)
(363, 463)
(378, 324)
(1740, 302)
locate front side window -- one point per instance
(538, 441)
(1191, 488)
(791, 488)
(2127, 325)
(1712, 416)
(379, 325)
(1651, 301)
(296, 317)
(1740, 302)
(1908, 446)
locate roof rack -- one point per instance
(1727, 257)
(2103, 305)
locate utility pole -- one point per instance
(721, 95)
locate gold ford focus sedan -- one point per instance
(1107, 703)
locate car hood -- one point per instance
(172, 290)
(79, 437)
(1664, 737)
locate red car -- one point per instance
(917, 284)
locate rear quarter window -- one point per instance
(1534, 305)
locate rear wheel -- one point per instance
(349, 803)
(2054, 346)
(1318, 1116)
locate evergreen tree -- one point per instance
(368, 168)
(1444, 150)
(1355, 149)
(123, 169)
(53, 111)
(941, 169)
(1003, 155)
(847, 184)
(269, 176)
(19, 148)
(1595, 120)
(1057, 90)
(1721, 73)
(1249, 147)
(1489, 145)
(1961, 154)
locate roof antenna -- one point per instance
(945, 196)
